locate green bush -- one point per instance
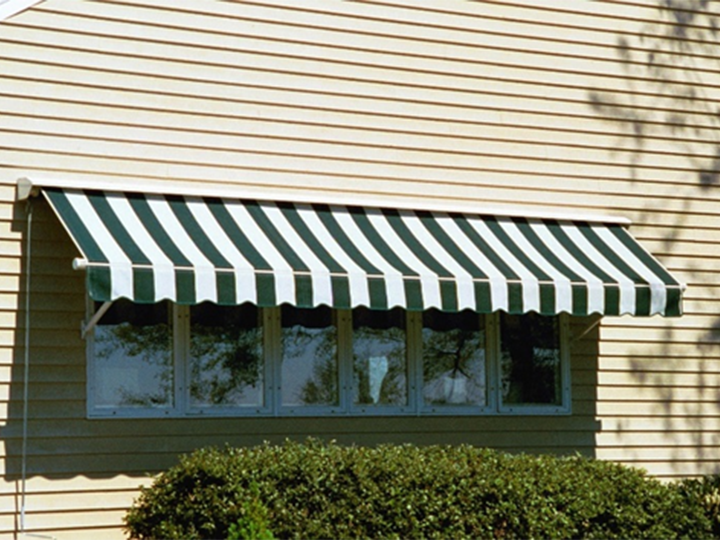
(704, 494)
(317, 490)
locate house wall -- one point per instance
(469, 104)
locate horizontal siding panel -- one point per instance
(706, 383)
(667, 412)
(653, 364)
(67, 523)
(515, 23)
(517, 68)
(213, 116)
(158, 128)
(640, 439)
(382, 166)
(639, 392)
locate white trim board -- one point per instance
(8, 8)
(31, 186)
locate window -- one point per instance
(169, 360)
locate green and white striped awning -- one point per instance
(149, 247)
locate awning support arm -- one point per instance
(86, 327)
(587, 330)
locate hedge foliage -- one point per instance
(317, 490)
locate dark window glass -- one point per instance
(530, 359)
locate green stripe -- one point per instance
(674, 302)
(99, 201)
(224, 282)
(303, 284)
(579, 292)
(642, 294)
(99, 284)
(376, 285)
(413, 291)
(462, 222)
(547, 292)
(617, 261)
(446, 241)
(610, 286)
(265, 282)
(483, 297)
(89, 248)
(155, 229)
(143, 280)
(340, 284)
(448, 289)
(646, 258)
(184, 279)
(579, 299)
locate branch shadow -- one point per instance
(667, 103)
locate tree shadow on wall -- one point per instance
(671, 73)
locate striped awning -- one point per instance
(149, 247)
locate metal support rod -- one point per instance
(26, 368)
(87, 327)
(589, 329)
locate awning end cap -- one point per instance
(26, 189)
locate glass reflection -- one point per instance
(379, 357)
(309, 357)
(453, 359)
(133, 361)
(226, 356)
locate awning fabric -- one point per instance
(148, 247)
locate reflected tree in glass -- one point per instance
(379, 357)
(133, 361)
(309, 357)
(453, 359)
(226, 356)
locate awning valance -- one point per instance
(149, 247)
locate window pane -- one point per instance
(530, 359)
(453, 358)
(133, 361)
(309, 357)
(226, 356)
(379, 357)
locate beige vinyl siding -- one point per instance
(454, 102)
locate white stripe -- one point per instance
(658, 290)
(282, 271)
(394, 286)
(627, 287)
(205, 283)
(596, 289)
(245, 283)
(319, 273)
(429, 282)
(563, 289)
(357, 277)
(498, 281)
(162, 267)
(464, 284)
(121, 275)
(530, 284)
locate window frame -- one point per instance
(272, 376)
